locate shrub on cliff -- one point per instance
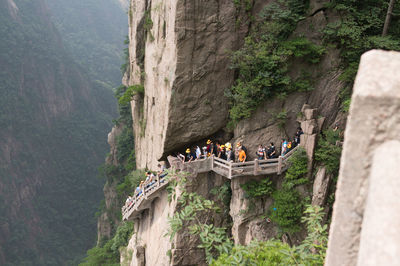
(108, 254)
(264, 60)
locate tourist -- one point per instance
(210, 148)
(242, 155)
(216, 149)
(189, 156)
(230, 156)
(284, 147)
(261, 153)
(198, 152)
(299, 132)
(222, 152)
(205, 152)
(271, 151)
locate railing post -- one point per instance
(255, 167)
(158, 180)
(230, 170)
(212, 162)
(279, 170)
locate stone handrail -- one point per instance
(222, 167)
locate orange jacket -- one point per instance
(242, 156)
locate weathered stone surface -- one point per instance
(186, 70)
(247, 225)
(321, 186)
(111, 139)
(310, 113)
(152, 225)
(309, 126)
(380, 234)
(374, 119)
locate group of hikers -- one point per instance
(150, 179)
(223, 151)
(239, 154)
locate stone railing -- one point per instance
(222, 167)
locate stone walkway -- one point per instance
(222, 167)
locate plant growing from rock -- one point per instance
(195, 213)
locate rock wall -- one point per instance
(246, 214)
(150, 246)
(365, 227)
(179, 51)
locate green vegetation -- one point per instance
(255, 189)
(108, 253)
(264, 60)
(287, 210)
(296, 174)
(196, 214)
(358, 30)
(327, 153)
(288, 204)
(54, 118)
(273, 252)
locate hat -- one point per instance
(222, 146)
(187, 150)
(208, 141)
(238, 144)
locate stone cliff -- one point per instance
(180, 50)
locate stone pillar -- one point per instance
(311, 126)
(366, 213)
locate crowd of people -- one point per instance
(150, 179)
(223, 151)
(240, 153)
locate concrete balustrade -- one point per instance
(222, 167)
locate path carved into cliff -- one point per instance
(222, 167)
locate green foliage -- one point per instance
(223, 193)
(125, 65)
(327, 153)
(266, 56)
(273, 252)
(288, 205)
(359, 30)
(108, 254)
(196, 214)
(287, 209)
(317, 235)
(129, 93)
(125, 145)
(131, 181)
(296, 174)
(254, 189)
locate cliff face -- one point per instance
(150, 246)
(179, 50)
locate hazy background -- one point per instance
(59, 61)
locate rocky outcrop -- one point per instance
(246, 214)
(321, 186)
(182, 60)
(149, 243)
(365, 227)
